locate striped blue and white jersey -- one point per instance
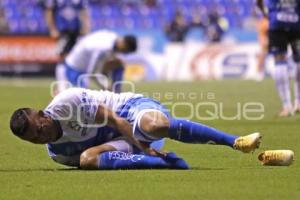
(75, 109)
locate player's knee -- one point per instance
(156, 126)
(88, 161)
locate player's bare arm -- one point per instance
(111, 63)
(84, 17)
(111, 119)
(54, 33)
(261, 6)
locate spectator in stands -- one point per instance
(3, 23)
(150, 3)
(178, 28)
(67, 20)
(196, 20)
(215, 27)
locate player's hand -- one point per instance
(84, 31)
(160, 153)
(153, 152)
(150, 151)
(54, 33)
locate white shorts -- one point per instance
(120, 144)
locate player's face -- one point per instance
(42, 129)
(121, 46)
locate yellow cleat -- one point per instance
(247, 143)
(277, 157)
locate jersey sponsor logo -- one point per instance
(74, 125)
(287, 17)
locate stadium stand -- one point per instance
(26, 17)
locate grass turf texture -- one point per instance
(26, 172)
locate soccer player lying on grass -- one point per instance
(105, 130)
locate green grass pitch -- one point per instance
(217, 172)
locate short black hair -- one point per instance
(19, 121)
(131, 43)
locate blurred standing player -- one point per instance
(284, 31)
(67, 20)
(96, 53)
(105, 130)
(262, 33)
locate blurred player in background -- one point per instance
(262, 33)
(284, 31)
(67, 20)
(96, 53)
(106, 130)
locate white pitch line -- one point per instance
(18, 82)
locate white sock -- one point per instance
(297, 84)
(62, 81)
(281, 77)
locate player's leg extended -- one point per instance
(117, 78)
(61, 78)
(297, 88)
(118, 155)
(64, 45)
(281, 77)
(278, 42)
(296, 58)
(156, 125)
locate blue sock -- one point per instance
(192, 132)
(122, 160)
(117, 76)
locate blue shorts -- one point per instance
(135, 108)
(73, 76)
